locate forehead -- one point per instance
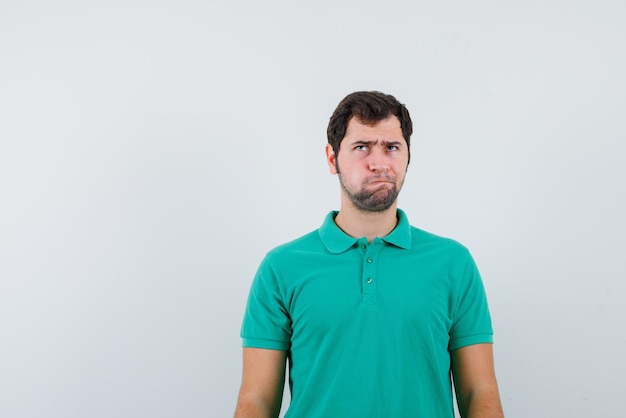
(385, 129)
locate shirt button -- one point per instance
(370, 259)
(363, 246)
(369, 280)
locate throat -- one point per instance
(370, 225)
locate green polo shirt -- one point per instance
(368, 327)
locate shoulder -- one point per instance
(427, 241)
(287, 263)
(423, 242)
(306, 243)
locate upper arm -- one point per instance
(262, 382)
(475, 381)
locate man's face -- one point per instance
(371, 163)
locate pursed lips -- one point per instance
(380, 180)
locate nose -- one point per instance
(378, 162)
(379, 168)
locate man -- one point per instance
(373, 315)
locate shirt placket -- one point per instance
(369, 279)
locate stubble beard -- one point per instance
(378, 199)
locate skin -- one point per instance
(475, 382)
(262, 384)
(371, 165)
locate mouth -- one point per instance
(380, 185)
(381, 181)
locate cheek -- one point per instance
(351, 177)
(401, 166)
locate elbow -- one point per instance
(481, 402)
(254, 405)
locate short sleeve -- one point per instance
(266, 322)
(471, 321)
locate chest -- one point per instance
(373, 293)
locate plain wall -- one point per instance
(151, 153)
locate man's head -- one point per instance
(368, 107)
(368, 149)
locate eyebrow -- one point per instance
(383, 142)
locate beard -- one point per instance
(372, 199)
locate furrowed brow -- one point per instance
(394, 143)
(363, 142)
(374, 142)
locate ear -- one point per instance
(331, 159)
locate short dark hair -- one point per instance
(369, 107)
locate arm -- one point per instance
(475, 382)
(262, 384)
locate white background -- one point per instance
(152, 151)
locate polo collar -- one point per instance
(337, 241)
(401, 234)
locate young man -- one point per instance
(373, 315)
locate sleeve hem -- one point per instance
(269, 344)
(471, 340)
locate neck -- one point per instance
(358, 223)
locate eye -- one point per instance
(361, 147)
(392, 148)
